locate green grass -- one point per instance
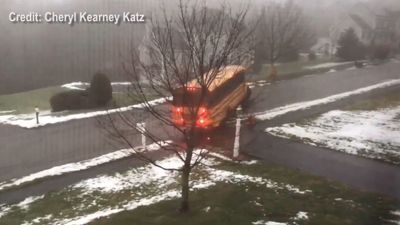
(25, 102)
(125, 98)
(247, 203)
(228, 203)
(232, 204)
(389, 100)
(294, 69)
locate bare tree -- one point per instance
(283, 28)
(189, 48)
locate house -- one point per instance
(324, 46)
(146, 47)
(147, 51)
(180, 48)
(388, 28)
(373, 26)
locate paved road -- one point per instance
(364, 174)
(316, 86)
(16, 195)
(26, 151)
(359, 172)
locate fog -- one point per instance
(39, 55)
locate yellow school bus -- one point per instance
(208, 110)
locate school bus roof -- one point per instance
(223, 75)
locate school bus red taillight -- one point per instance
(177, 115)
(203, 118)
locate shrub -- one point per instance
(100, 91)
(98, 94)
(70, 100)
(289, 54)
(312, 56)
(350, 47)
(358, 64)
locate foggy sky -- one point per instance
(38, 55)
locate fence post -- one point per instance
(37, 114)
(142, 129)
(236, 144)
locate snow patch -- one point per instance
(234, 178)
(301, 216)
(150, 173)
(76, 85)
(262, 222)
(220, 156)
(24, 205)
(133, 178)
(84, 85)
(7, 112)
(164, 181)
(207, 209)
(395, 60)
(352, 68)
(126, 83)
(270, 114)
(225, 158)
(326, 65)
(252, 162)
(39, 220)
(396, 213)
(332, 71)
(111, 211)
(82, 165)
(259, 83)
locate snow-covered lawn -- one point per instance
(90, 199)
(221, 191)
(327, 65)
(47, 117)
(372, 134)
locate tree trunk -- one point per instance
(185, 189)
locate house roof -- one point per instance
(361, 22)
(178, 42)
